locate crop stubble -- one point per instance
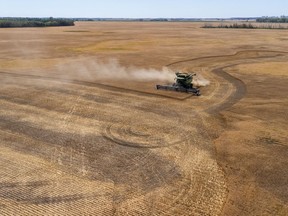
(86, 147)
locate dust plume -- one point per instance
(94, 70)
(200, 81)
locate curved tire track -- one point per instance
(234, 97)
(173, 187)
(239, 85)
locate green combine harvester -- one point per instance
(183, 84)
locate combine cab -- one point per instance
(183, 84)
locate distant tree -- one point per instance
(281, 19)
(244, 26)
(208, 25)
(34, 22)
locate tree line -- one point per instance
(234, 25)
(34, 22)
(281, 19)
(244, 26)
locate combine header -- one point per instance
(183, 84)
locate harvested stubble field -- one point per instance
(76, 140)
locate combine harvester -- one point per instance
(183, 84)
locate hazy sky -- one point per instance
(143, 8)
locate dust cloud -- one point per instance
(111, 69)
(200, 81)
(89, 69)
(95, 70)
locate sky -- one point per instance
(143, 8)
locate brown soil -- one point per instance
(73, 144)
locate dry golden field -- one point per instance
(83, 134)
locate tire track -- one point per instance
(233, 98)
(97, 85)
(221, 56)
(239, 85)
(144, 173)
